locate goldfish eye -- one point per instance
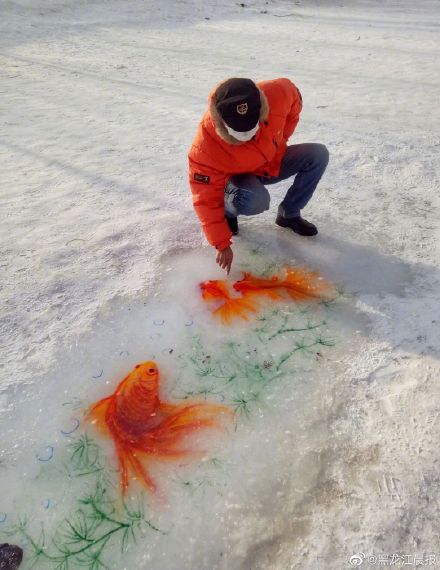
(151, 370)
(137, 365)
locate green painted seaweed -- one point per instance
(100, 518)
(241, 370)
(206, 479)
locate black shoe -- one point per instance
(298, 225)
(10, 556)
(233, 225)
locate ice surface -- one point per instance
(268, 371)
(102, 253)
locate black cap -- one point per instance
(238, 102)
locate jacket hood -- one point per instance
(218, 123)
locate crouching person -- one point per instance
(240, 148)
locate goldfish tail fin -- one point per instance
(235, 308)
(303, 285)
(166, 450)
(123, 459)
(142, 473)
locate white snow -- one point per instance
(99, 245)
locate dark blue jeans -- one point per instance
(246, 194)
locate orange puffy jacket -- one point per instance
(215, 155)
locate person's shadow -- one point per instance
(398, 295)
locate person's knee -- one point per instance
(321, 154)
(255, 203)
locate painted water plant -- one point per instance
(239, 370)
(100, 520)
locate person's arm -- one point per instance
(208, 187)
(294, 105)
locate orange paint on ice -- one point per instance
(215, 290)
(230, 307)
(142, 426)
(296, 284)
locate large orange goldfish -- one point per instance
(229, 307)
(143, 426)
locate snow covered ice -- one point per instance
(102, 254)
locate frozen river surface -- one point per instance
(332, 452)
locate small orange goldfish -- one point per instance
(298, 284)
(230, 307)
(143, 426)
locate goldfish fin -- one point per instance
(141, 472)
(303, 285)
(196, 415)
(235, 308)
(96, 414)
(168, 409)
(177, 431)
(165, 450)
(122, 455)
(127, 458)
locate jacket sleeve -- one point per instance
(208, 188)
(294, 104)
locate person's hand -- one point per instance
(224, 259)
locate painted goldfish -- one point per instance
(229, 307)
(142, 426)
(298, 284)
